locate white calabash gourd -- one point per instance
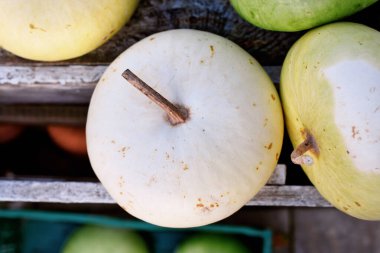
(330, 89)
(209, 163)
(52, 30)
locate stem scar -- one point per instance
(298, 156)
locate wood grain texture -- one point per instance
(56, 191)
(42, 114)
(93, 192)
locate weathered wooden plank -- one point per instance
(44, 114)
(54, 191)
(91, 192)
(50, 74)
(278, 177)
(70, 75)
(54, 94)
(46, 94)
(288, 195)
(59, 84)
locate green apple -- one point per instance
(296, 15)
(98, 239)
(210, 243)
(330, 89)
(53, 30)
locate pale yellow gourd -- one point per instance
(53, 30)
(199, 171)
(330, 89)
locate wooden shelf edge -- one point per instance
(94, 192)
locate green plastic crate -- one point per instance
(29, 231)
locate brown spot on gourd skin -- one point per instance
(265, 122)
(123, 150)
(121, 182)
(354, 131)
(152, 180)
(277, 156)
(33, 27)
(358, 204)
(212, 49)
(269, 146)
(273, 97)
(251, 61)
(200, 205)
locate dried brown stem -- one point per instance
(176, 115)
(298, 155)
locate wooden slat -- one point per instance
(91, 192)
(44, 114)
(278, 177)
(59, 84)
(70, 75)
(289, 195)
(50, 74)
(275, 193)
(48, 84)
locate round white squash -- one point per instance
(52, 30)
(200, 171)
(330, 89)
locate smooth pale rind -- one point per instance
(358, 117)
(296, 15)
(53, 30)
(330, 86)
(200, 171)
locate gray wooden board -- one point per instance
(59, 84)
(91, 192)
(275, 193)
(54, 94)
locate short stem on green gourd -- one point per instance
(298, 155)
(176, 114)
